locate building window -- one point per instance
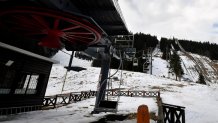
(27, 84)
(6, 77)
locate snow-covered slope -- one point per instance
(63, 56)
(200, 100)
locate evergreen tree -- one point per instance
(164, 55)
(201, 79)
(175, 65)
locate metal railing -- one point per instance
(133, 93)
(64, 99)
(173, 113)
(168, 113)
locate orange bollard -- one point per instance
(143, 114)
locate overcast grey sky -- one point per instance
(184, 19)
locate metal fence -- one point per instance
(133, 93)
(64, 99)
(54, 101)
(173, 113)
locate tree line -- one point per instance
(202, 48)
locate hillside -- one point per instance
(200, 100)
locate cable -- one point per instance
(114, 73)
(65, 52)
(119, 65)
(121, 80)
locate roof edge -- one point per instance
(28, 53)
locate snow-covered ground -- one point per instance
(163, 72)
(200, 100)
(189, 68)
(63, 56)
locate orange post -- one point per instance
(143, 114)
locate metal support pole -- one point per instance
(103, 79)
(70, 62)
(68, 69)
(151, 60)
